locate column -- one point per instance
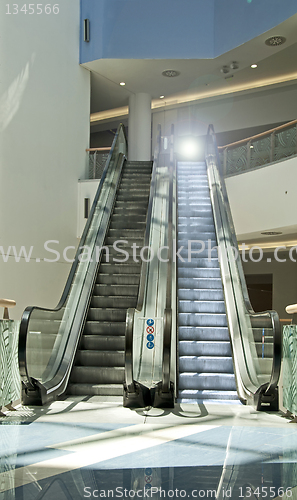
(139, 127)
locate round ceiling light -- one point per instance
(271, 233)
(254, 66)
(170, 73)
(275, 41)
(122, 84)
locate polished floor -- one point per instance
(85, 448)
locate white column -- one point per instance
(139, 127)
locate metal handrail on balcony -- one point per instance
(260, 149)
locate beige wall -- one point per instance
(44, 131)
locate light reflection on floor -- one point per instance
(86, 449)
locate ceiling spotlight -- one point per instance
(162, 96)
(254, 65)
(225, 69)
(122, 84)
(170, 73)
(275, 41)
(234, 65)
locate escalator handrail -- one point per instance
(129, 381)
(23, 333)
(167, 334)
(277, 336)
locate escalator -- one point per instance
(116, 289)
(205, 357)
(226, 350)
(79, 346)
(163, 327)
(219, 349)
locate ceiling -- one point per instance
(199, 78)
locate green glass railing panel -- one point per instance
(10, 384)
(290, 368)
(237, 160)
(285, 144)
(260, 152)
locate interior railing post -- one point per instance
(225, 161)
(248, 155)
(272, 145)
(94, 165)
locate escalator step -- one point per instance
(97, 375)
(208, 381)
(191, 294)
(113, 315)
(96, 389)
(105, 328)
(113, 302)
(118, 279)
(100, 358)
(204, 348)
(195, 306)
(187, 395)
(116, 290)
(202, 319)
(121, 268)
(203, 333)
(96, 342)
(205, 364)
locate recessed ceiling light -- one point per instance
(170, 73)
(254, 65)
(122, 83)
(271, 233)
(162, 96)
(275, 41)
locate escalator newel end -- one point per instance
(267, 401)
(140, 398)
(161, 399)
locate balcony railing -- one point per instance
(259, 150)
(97, 158)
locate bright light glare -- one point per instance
(189, 148)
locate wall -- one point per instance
(123, 29)
(239, 111)
(44, 131)
(264, 199)
(86, 189)
(284, 282)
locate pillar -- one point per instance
(139, 127)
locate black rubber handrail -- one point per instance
(28, 381)
(272, 315)
(129, 380)
(167, 334)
